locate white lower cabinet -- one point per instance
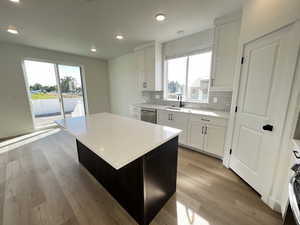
(198, 132)
(207, 134)
(135, 112)
(214, 139)
(175, 120)
(196, 137)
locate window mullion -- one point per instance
(186, 78)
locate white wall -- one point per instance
(280, 188)
(261, 17)
(15, 114)
(123, 79)
(188, 44)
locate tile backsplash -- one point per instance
(223, 100)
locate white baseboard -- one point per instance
(272, 203)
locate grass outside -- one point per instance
(39, 96)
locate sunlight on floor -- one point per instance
(186, 216)
(25, 139)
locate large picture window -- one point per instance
(189, 76)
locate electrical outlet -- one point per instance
(157, 96)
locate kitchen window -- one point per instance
(189, 76)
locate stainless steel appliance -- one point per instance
(292, 216)
(149, 115)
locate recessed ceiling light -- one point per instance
(15, 1)
(119, 37)
(93, 49)
(160, 17)
(12, 30)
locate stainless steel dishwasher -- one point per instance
(149, 115)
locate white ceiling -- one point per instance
(73, 26)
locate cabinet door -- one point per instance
(175, 120)
(180, 121)
(164, 118)
(225, 54)
(140, 68)
(149, 62)
(196, 134)
(214, 139)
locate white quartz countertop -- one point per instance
(212, 113)
(117, 140)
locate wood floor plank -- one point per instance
(42, 183)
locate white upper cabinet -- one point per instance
(225, 49)
(149, 67)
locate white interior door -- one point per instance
(265, 85)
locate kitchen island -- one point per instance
(135, 161)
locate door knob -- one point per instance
(268, 127)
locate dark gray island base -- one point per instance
(143, 186)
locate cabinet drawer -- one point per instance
(209, 120)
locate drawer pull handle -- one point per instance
(205, 120)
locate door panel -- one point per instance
(263, 99)
(262, 62)
(249, 141)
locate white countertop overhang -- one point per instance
(117, 140)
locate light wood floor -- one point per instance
(43, 184)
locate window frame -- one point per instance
(185, 99)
